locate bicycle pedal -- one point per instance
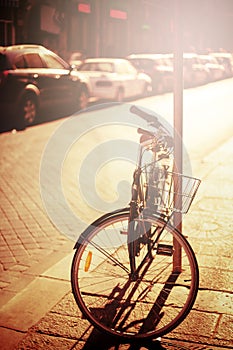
(164, 249)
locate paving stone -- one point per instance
(67, 306)
(6, 296)
(211, 261)
(36, 341)
(215, 279)
(3, 284)
(18, 283)
(32, 303)
(197, 323)
(224, 330)
(10, 338)
(8, 265)
(64, 326)
(215, 302)
(19, 268)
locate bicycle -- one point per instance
(134, 275)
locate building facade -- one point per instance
(115, 27)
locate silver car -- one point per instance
(115, 79)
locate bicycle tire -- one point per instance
(132, 236)
(150, 307)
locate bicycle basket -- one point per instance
(167, 191)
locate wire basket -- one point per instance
(167, 191)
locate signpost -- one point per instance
(178, 116)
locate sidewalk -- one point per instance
(44, 316)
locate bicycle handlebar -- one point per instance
(153, 120)
(146, 116)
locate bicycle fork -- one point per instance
(142, 235)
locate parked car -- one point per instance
(215, 69)
(158, 67)
(32, 79)
(226, 59)
(114, 79)
(195, 72)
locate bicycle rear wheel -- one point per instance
(148, 307)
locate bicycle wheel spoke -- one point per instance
(109, 256)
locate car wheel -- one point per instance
(120, 95)
(83, 98)
(27, 111)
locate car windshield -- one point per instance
(53, 62)
(105, 67)
(97, 67)
(124, 67)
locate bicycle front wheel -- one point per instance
(148, 307)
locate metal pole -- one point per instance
(178, 115)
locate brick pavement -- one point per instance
(27, 237)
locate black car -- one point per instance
(34, 79)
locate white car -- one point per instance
(226, 59)
(115, 79)
(216, 70)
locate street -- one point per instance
(59, 176)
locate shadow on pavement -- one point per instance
(8, 124)
(111, 343)
(114, 344)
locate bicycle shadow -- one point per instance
(153, 317)
(107, 343)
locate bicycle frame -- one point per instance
(138, 201)
(137, 198)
